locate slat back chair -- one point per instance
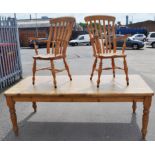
(59, 35)
(104, 42)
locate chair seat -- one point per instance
(111, 55)
(47, 56)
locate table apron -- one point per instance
(77, 99)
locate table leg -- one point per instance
(11, 105)
(34, 105)
(145, 119)
(134, 107)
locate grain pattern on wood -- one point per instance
(59, 35)
(82, 86)
(103, 40)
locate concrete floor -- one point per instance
(82, 121)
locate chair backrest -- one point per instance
(59, 35)
(102, 33)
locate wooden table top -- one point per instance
(81, 85)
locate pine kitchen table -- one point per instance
(81, 89)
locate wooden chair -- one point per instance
(103, 40)
(59, 35)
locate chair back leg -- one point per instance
(93, 69)
(99, 73)
(126, 71)
(67, 68)
(113, 66)
(33, 71)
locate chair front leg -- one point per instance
(53, 73)
(113, 66)
(126, 71)
(67, 68)
(99, 73)
(33, 71)
(93, 69)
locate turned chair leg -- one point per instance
(53, 73)
(33, 71)
(134, 107)
(67, 68)
(126, 71)
(93, 69)
(113, 66)
(34, 105)
(99, 73)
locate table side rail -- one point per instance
(77, 99)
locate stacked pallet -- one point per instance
(10, 63)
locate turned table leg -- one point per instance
(11, 105)
(134, 107)
(145, 119)
(34, 105)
